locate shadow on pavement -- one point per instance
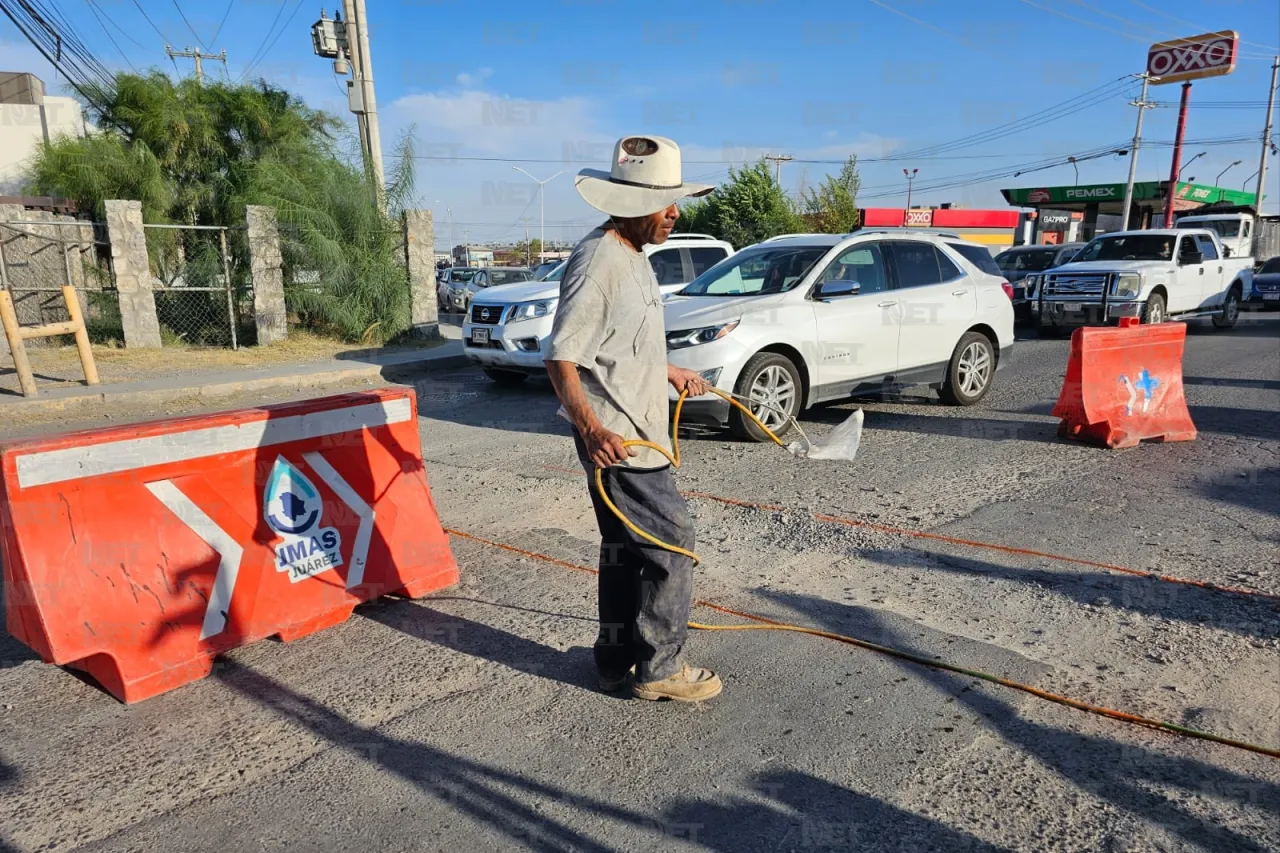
(12, 652)
(527, 812)
(1245, 423)
(807, 813)
(574, 668)
(1265, 384)
(1238, 614)
(1151, 786)
(506, 802)
(8, 778)
(1256, 489)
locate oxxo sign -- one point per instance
(1208, 55)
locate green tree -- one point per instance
(747, 208)
(832, 208)
(197, 154)
(528, 253)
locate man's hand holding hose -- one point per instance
(604, 446)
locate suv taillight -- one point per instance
(1008, 289)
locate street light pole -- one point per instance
(542, 208)
(911, 176)
(1218, 179)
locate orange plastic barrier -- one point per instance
(138, 553)
(1124, 385)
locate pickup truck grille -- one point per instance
(487, 315)
(1066, 284)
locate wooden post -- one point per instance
(82, 335)
(9, 317)
(18, 336)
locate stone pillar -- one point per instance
(420, 261)
(132, 271)
(266, 268)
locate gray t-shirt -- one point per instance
(609, 323)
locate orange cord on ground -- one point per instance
(767, 624)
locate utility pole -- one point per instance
(778, 160)
(1142, 106)
(196, 55)
(911, 176)
(542, 204)
(347, 44)
(1266, 136)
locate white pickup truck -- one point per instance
(1155, 275)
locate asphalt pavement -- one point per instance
(470, 721)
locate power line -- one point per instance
(1153, 10)
(119, 28)
(223, 22)
(58, 43)
(1086, 22)
(107, 33)
(261, 51)
(192, 29)
(151, 22)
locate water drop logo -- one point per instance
(292, 507)
(292, 502)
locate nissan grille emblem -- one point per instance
(484, 313)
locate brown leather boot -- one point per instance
(690, 684)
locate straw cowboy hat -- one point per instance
(643, 179)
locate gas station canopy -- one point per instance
(1148, 198)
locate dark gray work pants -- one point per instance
(645, 592)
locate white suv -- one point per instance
(806, 318)
(506, 327)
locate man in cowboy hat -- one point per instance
(607, 358)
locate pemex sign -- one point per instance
(1208, 55)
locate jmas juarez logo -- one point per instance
(293, 508)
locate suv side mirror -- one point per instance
(838, 287)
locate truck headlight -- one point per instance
(1029, 285)
(692, 337)
(533, 310)
(1127, 285)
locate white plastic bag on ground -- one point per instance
(840, 443)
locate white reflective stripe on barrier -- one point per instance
(75, 463)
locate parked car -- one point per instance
(486, 278)
(804, 319)
(543, 269)
(1266, 285)
(1021, 261)
(506, 328)
(1156, 275)
(455, 279)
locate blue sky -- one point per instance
(558, 80)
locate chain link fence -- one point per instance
(201, 283)
(41, 253)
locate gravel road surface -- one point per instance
(469, 720)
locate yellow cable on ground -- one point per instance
(673, 457)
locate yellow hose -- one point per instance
(673, 457)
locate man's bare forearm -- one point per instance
(564, 378)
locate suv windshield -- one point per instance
(461, 276)
(1224, 227)
(1129, 247)
(768, 269)
(1033, 260)
(509, 276)
(1271, 266)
